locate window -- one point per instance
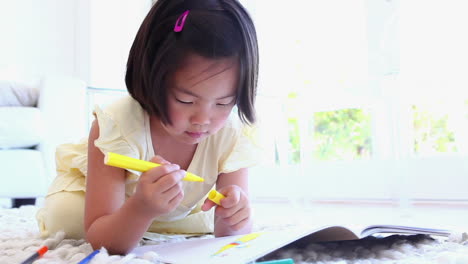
(433, 131)
(104, 39)
(364, 99)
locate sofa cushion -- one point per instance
(22, 173)
(13, 93)
(20, 127)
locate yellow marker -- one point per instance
(238, 242)
(215, 196)
(124, 162)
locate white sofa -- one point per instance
(30, 133)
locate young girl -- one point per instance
(191, 62)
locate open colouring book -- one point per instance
(248, 248)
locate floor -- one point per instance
(355, 215)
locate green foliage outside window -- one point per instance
(431, 132)
(335, 135)
(466, 110)
(294, 140)
(293, 111)
(346, 134)
(342, 134)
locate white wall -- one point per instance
(106, 30)
(37, 37)
(86, 39)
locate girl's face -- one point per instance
(201, 95)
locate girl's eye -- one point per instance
(225, 103)
(183, 102)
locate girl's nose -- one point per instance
(201, 117)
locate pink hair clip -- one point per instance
(179, 24)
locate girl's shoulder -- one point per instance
(237, 145)
(125, 112)
(122, 127)
(122, 123)
(122, 105)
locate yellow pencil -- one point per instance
(124, 162)
(215, 196)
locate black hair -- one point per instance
(213, 29)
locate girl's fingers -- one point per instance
(172, 197)
(155, 174)
(232, 199)
(228, 212)
(233, 196)
(207, 205)
(167, 181)
(240, 225)
(172, 191)
(160, 160)
(237, 217)
(177, 198)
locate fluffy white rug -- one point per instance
(19, 238)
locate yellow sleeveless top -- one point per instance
(124, 129)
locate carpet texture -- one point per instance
(19, 238)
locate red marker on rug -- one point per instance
(39, 253)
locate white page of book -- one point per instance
(205, 250)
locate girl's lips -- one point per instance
(195, 134)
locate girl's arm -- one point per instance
(234, 215)
(110, 220)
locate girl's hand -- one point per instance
(235, 208)
(159, 190)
